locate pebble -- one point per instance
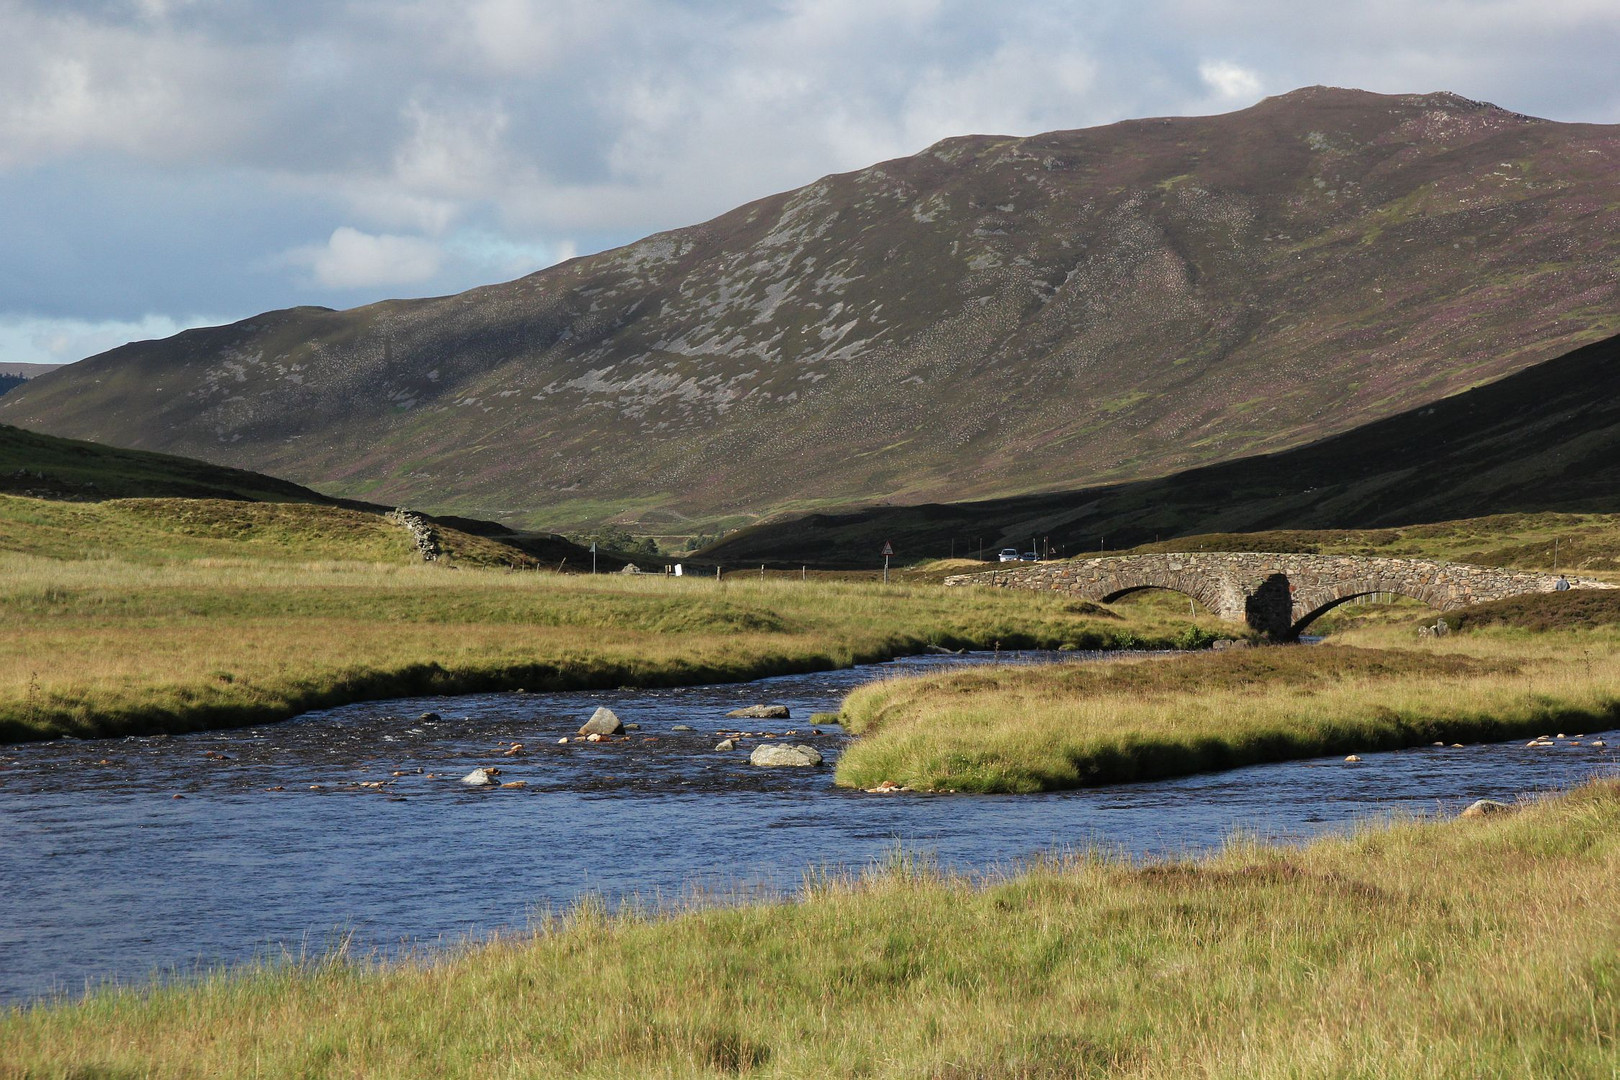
(1353, 757)
(176, 796)
(593, 737)
(429, 717)
(563, 741)
(1456, 746)
(517, 748)
(515, 784)
(726, 744)
(681, 727)
(1599, 743)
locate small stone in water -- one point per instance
(429, 717)
(1353, 757)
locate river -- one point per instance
(275, 847)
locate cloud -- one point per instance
(34, 340)
(1229, 81)
(351, 259)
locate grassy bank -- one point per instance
(110, 647)
(1064, 726)
(1477, 948)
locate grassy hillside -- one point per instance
(48, 467)
(989, 317)
(1468, 948)
(1545, 439)
(175, 507)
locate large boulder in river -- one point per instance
(759, 712)
(772, 754)
(479, 778)
(603, 722)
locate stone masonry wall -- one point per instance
(1277, 594)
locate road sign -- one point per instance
(888, 548)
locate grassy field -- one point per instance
(108, 646)
(1377, 688)
(1467, 948)
(1575, 543)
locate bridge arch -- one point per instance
(1311, 604)
(1120, 594)
(1203, 588)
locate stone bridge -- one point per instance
(1278, 595)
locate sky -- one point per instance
(176, 163)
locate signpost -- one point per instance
(593, 556)
(888, 551)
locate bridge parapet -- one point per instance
(1277, 594)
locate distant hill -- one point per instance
(1545, 439)
(46, 467)
(28, 371)
(989, 317)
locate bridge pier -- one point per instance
(1275, 595)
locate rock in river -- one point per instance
(782, 754)
(1486, 808)
(479, 778)
(726, 744)
(760, 712)
(603, 722)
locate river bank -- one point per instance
(1437, 948)
(1051, 728)
(95, 648)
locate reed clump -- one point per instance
(1062, 726)
(1477, 948)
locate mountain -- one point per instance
(989, 317)
(1543, 439)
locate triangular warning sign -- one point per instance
(888, 548)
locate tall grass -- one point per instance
(1486, 948)
(106, 647)
(1064, 726)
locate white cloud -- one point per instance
(28, 339)
(1229, 80)
(351, 259)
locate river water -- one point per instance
(275, 846)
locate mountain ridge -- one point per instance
(992, 316)
(1546, 439)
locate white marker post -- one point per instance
(593, 556)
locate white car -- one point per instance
(1008, 555)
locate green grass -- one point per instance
(1468, 948)
(98, 647)
(1021, 729)
(1546, 541)
(172, 530)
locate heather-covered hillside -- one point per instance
(992, 316)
